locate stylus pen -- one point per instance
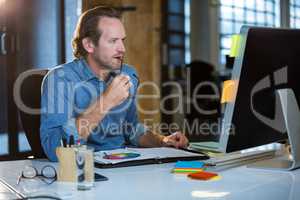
(71, 140)
(114, 73)
(209, 165)
(63, 142)
(194, 151)
(191, 150)
(135, 76)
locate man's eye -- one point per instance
(113, 41)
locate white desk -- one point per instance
(155, 182)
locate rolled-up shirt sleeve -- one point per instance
(134, 129)
(57, 120)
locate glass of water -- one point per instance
(85, 167)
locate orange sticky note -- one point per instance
(229, 89)
(202, 175)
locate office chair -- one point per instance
(29, 83)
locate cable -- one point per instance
(39, 196)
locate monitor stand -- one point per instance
(291, 114)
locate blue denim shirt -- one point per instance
(67, 91)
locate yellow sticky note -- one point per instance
(235, 45)
(228, 92)
(186, 170)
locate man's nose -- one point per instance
(121, 47)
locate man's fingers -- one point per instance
(127, 94)
(122, 79)
(128, 85)
(176, 140)
(169, 141)
(184, 141)
(181, 139)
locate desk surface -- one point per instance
(156, 182)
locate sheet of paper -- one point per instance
(145, 153)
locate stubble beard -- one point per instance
(106, 66)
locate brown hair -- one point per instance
(87, 27)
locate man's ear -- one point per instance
(88, 45)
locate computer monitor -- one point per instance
(268, 59)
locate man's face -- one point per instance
(110, 49)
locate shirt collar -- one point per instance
(86, 72)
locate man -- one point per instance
(93, 97)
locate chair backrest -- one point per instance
(30, 83)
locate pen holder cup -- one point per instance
(76, 164)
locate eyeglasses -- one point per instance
(48, 174)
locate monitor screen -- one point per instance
(268, 59)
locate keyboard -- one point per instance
(241, 158)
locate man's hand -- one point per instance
(177, 140)
(117, 91)
(114, 95)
